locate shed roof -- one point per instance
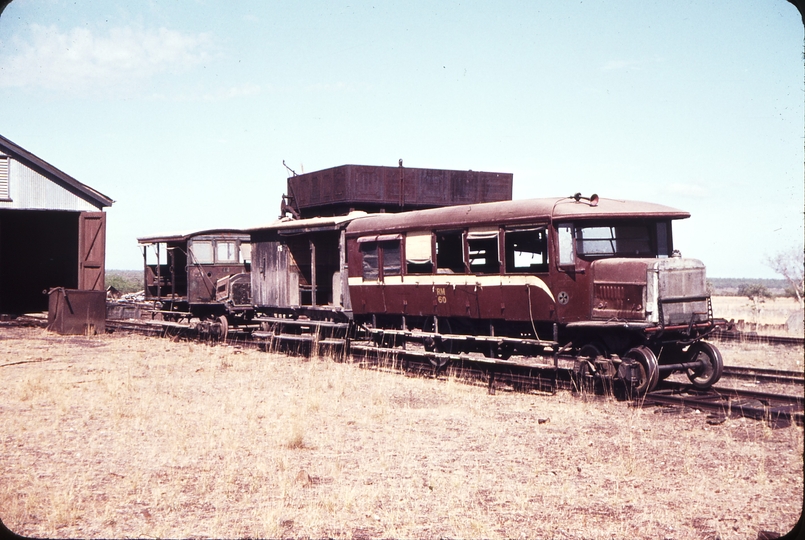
(94, 197)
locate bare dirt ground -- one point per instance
(127, 436)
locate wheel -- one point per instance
(591, 350)
(648, 372)
(712, 365)
(585, 381)
(502, 351)
(224, 330)
(585, 376)
(439, 344)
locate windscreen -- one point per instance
(625, 239)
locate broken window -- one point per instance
(449, 252)
(390, 253)
(246, 252)
(526, 250)
(483, 253)
(381, 256)
(201, 252)
(371, 262)
(418, 252)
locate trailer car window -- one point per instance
(226, 251)
(201, 252)
(246, 252)
(526, 251)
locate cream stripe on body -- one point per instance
(453, 280)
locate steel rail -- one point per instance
(766, 375)
(752, 337)
(777, 410)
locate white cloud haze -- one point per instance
(81, 60)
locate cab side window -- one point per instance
(567, 252)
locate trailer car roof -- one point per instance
(184, 237)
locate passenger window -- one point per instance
(449, 253)
(418, 253)
(226, 251)
(484, 256)
(526, 251)
(370, 261)
(201, 252)
(391, 258)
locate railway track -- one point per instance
(546, 375)
(778, 410)
(765, 375)
(752, 337)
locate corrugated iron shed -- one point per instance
(29, 182)
(52, 231)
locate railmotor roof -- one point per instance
(512, 212)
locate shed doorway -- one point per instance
(38, 251)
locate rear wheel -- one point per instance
(709, 372)
(584, 370)
(223, 327)
(438, 343)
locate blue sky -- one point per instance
(183, 111)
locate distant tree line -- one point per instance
(125, 281)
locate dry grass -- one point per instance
(129, 436)
(772, 313)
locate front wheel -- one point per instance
(648, 371)
(712, 365)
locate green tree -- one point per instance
(790, 264)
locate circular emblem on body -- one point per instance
(563, 298)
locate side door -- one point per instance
(570, 281)
(91, 251)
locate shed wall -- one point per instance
(29, 190)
